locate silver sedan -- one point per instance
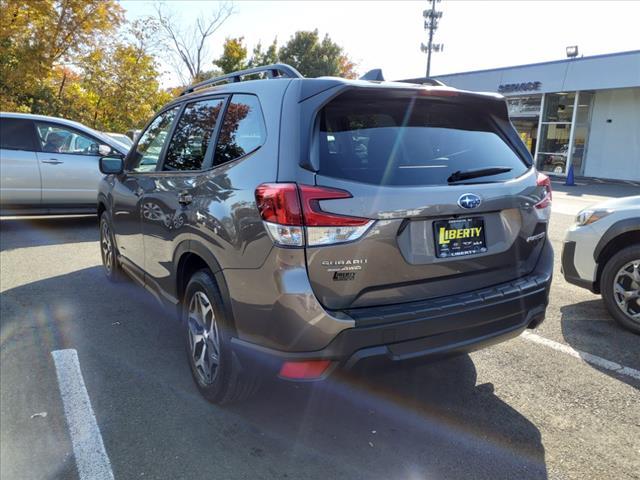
(50, 165)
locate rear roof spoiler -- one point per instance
(424, 81)
(374, 75)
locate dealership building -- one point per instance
(583, 111)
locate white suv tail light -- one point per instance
(544, 182)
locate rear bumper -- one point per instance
(455, 324)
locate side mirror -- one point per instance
(111, 165)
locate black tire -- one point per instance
(110, 264)
(231, 381)
(609, 275)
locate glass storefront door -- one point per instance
(555, 132)
(564, 129)
(581, 131)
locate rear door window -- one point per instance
(243, 130)
(192, 138)
(409, 141)
(17, 134)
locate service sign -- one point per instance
(519, 87)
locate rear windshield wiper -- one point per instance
(479, 172)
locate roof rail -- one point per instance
(276, 70)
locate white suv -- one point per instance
(601, 252)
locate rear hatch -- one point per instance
(442, 187)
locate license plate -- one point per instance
(459, 236)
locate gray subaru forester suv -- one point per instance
(299, 225)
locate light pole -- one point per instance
(431, 18)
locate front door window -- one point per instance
(149, 147)
(60, 139)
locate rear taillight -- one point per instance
(279, 207)
(313, 214)
(544, 182)
(287, 208)
(279, 203)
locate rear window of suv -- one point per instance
(387, 139)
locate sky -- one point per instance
(387, 34)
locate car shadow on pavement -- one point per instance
(412, 419)
(588, 327)
(23, 232)
(405, 420)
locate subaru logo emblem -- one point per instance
(469, 200)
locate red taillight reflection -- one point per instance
(545, 182)
(439, 92)
(304, 370)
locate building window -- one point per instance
(524, 106)
(558, 107)
(524, 113)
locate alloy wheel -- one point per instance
(626, 290)
(204, 337)
(106, 247)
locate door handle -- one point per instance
(185, 198)
(53, 161)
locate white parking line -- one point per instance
(584, 356)
(92, 460)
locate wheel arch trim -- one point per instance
(194, 247)
(619, 228)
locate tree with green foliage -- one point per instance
(119, 87)
(75, 59)
(234, 55)
(314, 58)
(39, 37)
(268, 57)
(304, 51)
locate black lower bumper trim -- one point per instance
(569, 271)
(421, 330)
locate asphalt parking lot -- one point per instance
(531, 408)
